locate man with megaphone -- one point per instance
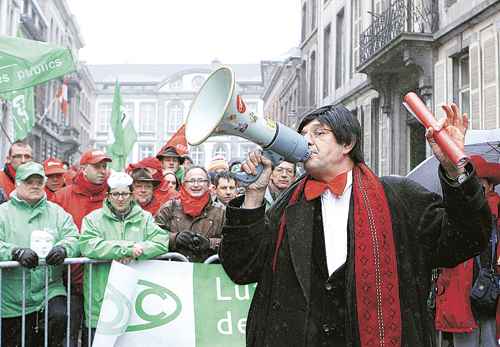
(344, 258)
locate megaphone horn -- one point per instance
(218, 110)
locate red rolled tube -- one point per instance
(416, 107)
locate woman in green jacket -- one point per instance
(121, 230)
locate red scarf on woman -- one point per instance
(376, 272)
(193, 206)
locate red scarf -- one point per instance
(88, 187)
(193, 206)
(376, 274)
(10, 171)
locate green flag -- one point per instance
(23, 111)
(26, 63)
(123, 132)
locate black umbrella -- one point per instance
(480, 142)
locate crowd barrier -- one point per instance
(6, 265)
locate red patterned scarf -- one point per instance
(376, 272)
(193, 206)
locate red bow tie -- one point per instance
(314, 188)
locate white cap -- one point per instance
(119, 179)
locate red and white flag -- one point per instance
(62, 97)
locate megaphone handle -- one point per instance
(245, 179)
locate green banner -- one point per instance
(26, 63)
(221, 307)
(22, 104)
(162, 303)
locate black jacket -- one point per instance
(428, 232)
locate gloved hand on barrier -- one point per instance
(26, 257)
(56, 256)
(192, 241)
(200, 243)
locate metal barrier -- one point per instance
(6, 265)
(213, 259)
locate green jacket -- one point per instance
(105, 236)
(17, 221)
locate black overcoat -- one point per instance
(429, 231)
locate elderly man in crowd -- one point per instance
(194, 221)
(120, 230)
(32, 228)
(19, 153)
(54, 170)
(144, 185)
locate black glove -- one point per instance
(26, 257)
(184, 239)
(56, 256)
(200, 243)
(192, 241)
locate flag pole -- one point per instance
(46, 112)
(1, 123)
(5, 132)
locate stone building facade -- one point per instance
(367, 54)
(158, 98)
(54, 134)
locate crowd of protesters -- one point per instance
(160, 204)
(312, 289)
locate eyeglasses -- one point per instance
(117, 195)
(199, 181)
(318, 132)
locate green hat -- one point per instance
(26, 170)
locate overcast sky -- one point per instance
(186, 31)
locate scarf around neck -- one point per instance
(10, 172)
(193, 206)
(376, 272)
(88, 187)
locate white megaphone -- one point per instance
(218, 110)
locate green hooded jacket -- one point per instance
(18, 220)
(105, 236)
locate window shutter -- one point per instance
(439, 88)
(367, 132)
(475, 95)
(490, 86)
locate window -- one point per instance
(146, 150)
(464, 85)
(175, 116)
(326, 61)
(461, 83)
(197, 153)
(339, 57)
(356, 31)
(104, 118)
(100, 147)
(220, 150)
(312, 80)
(147, 117)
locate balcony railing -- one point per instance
(402, 16)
